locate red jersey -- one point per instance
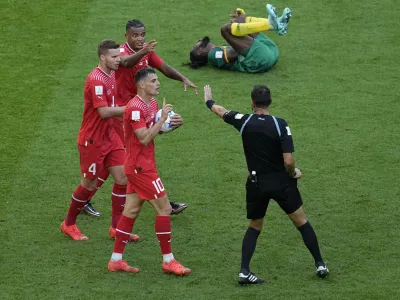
(137, 115)
(126, 76)
(100, 90)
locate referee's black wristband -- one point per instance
(210, 103)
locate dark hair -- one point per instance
(261, 96)
(106, 45)
(134, 24)
(142, 74)
(196, 60)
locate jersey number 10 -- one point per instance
(158, 185)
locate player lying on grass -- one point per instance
(249, 50)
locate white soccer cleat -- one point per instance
(322, 271)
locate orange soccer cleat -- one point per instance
(132, 237)
(176, 268)
(73, 232)
(121, 266)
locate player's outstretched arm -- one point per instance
(110, 112)
(129, 61)
(170, 72)
(208, 100)
(146, 135)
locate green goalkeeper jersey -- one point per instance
(261, 56)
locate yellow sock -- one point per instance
(242, 29)
(255, 20)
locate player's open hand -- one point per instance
(186, 83)
(207, 93)
(166, 108)
(176, 121)
(297, 173)
(149, 47)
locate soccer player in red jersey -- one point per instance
(98, 143)
(137, 55)
(143, 180)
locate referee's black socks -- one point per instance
(311, 241)
(248, 247)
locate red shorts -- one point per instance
(119, 129)
(147, 185)
(94, 158)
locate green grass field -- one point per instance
(337, 86)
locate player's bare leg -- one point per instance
(118, 199)
(163, 232)
(238, 43)
(131, 211)
(78, 201)
(310, 240)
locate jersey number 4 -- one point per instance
(92, 168)
(158, 185)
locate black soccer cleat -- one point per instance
(322, 271)
(89, 210)
(178, 207)
(250, 278)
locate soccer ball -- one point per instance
(166, 127)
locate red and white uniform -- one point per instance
(140, 163)
(125, 77)
(98, 143)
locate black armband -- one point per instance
(210, 103)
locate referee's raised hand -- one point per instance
(207, 93)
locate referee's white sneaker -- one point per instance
(250, 278)
(322, 271)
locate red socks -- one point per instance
(124, 229)
(100, 181)
(78, 201)
(163, 231)
(118, 198)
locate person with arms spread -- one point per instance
(136, 54)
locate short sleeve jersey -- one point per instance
(126, 76)
(265, 138)
(217, 56)
(139, 114)
(100, 90)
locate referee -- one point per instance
(268, 147)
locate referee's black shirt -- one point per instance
(264, 138)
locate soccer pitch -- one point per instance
(336, 85)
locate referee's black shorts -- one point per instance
(279, 187)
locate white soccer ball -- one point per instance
(166, 126)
